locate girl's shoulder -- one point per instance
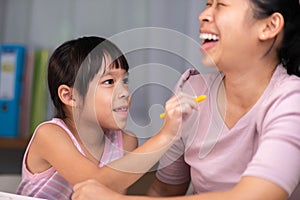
(54, 131)
(57, 125)
(48, 141)
(46, 125)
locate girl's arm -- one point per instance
(56, 148)
(249, 188)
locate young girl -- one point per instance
(247, 142)
(88, 83)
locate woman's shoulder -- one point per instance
(193, 73)
(284, 85)
(194, 81)
(283, 79)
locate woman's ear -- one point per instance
(271, 26)
(65, 94)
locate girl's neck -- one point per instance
(89, 136)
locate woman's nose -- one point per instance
(206, 15)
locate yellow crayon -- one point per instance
(197, 99)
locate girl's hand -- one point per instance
(178, 108)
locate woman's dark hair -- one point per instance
(289, 51)
(76, 62)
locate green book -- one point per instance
(39, 89)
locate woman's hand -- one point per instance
(93, 190)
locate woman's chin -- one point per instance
(208, 62)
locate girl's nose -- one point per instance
(123, 91)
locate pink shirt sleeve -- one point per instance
(279, 125)
(172, 167)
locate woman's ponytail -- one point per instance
(289, 52)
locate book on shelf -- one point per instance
(35, 102)
(11, 71)
(39, 97)
(24, 96)
(24, 125)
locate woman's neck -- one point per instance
(241, 89)
(245, 86)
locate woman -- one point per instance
(251, 147)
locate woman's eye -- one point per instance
(208, 4)
(220, 4)
(108, 82)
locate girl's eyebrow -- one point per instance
(114, 73)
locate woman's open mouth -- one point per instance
(208, 40)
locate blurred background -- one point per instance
(41, 25)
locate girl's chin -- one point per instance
(120, 125)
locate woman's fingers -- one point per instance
(86, 190)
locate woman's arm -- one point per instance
(159, 188)
(249, 188)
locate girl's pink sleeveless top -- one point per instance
(50, 184)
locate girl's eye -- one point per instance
(125, 81)
(108, 82)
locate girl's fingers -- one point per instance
(181, 104)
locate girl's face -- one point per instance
(108, 99)
(228, 32)
(112, 99)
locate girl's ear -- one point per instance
(65, 94)
(271, 26)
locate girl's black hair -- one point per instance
(289, 50)
(76, 62)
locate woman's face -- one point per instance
(228, 33)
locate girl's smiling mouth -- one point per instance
(121, 110)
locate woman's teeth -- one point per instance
(208, 36)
